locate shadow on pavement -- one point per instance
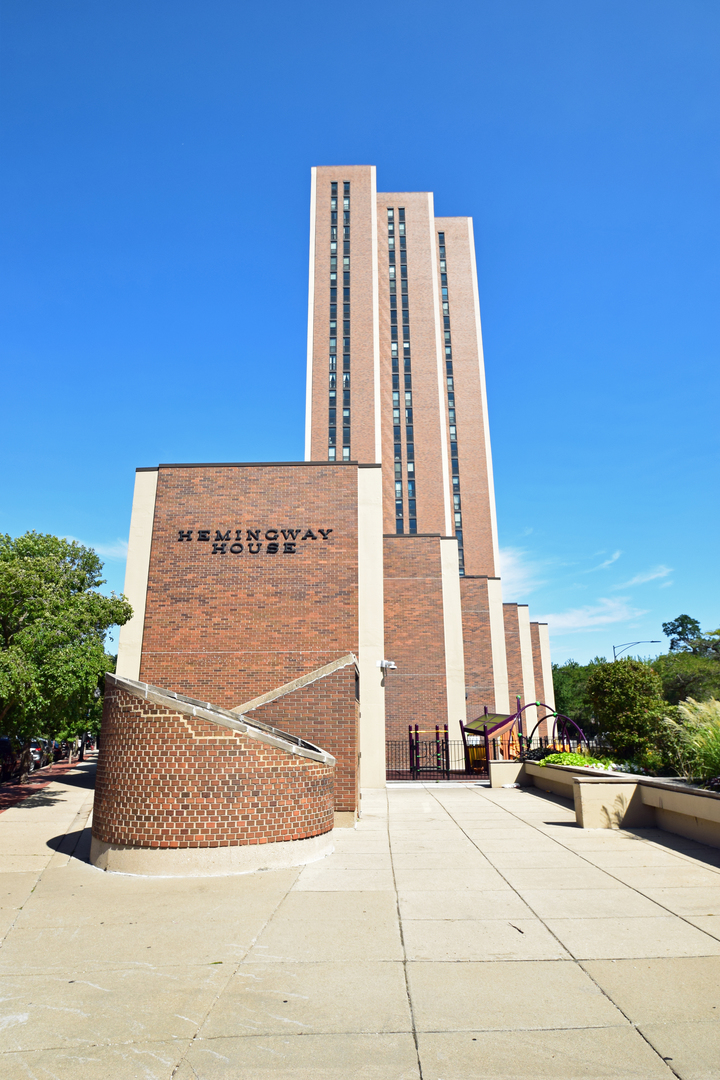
(75, 844)
(82, 775)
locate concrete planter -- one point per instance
(621, 800)
(559, 779)
(506, 772)
(615, 803)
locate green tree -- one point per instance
(688, 675)
(570, 684)
(681, 631)
(626, 698)
(692, 666)
(53, 624)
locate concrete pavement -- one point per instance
(457, 933)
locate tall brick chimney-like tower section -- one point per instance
(396, 376)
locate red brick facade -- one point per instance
(516, 688)
(469, 389)
(479, 678)
(229, 625)
(414, 635)
(326, 712)
(428, 382)
(169, 780)
(360, 268)
(541, 690)
(431, 319)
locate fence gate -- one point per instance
(429, 755)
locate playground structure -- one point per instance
(491, 737)
(494, 737)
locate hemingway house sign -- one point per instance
(284, 541)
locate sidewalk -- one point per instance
(458, 933)
(14, 791)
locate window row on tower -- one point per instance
(339, 407)
(452, 421)
(402, 402)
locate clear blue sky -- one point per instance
(155, 197)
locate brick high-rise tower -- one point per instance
(253, 582)
(396, 377)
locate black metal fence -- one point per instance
(427, 760)
(422, 756)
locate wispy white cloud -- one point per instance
(667, 584)
(520, 574)
(591, 616)
(608, 562)
(116, 549)
(647, 575)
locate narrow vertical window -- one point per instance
(340, 322)
(451, 405)
(402, 401)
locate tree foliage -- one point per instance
(628, 700)
(688, 675)
(53, 625)
(681, 631)
(626, 697)
(570, 685)
(686, 637)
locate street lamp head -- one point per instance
(617, 649)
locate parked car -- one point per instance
(10, 757)
(40, 753)
(60, 750)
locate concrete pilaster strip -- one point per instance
(497, 646)
(136, 571)
(311, 319)
(483, 389)
(371, 628)
(453, 636)
(544, 635)
(442, 393)
(377, 399)
(528, 672)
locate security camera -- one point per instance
(387, 665)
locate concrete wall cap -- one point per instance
(186, 706)
(298, 684)
(668, 784)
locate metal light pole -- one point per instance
(617, 649)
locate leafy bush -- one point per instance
(536, 754)
(694, 739)
(568, 758)
(626, 696)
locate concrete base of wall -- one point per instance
(209, 862)
(611, 805)
(612, 801)
(507, 772)
(345, 819)
(648, 803)
(556, 780)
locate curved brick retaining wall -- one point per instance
(183, 785)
